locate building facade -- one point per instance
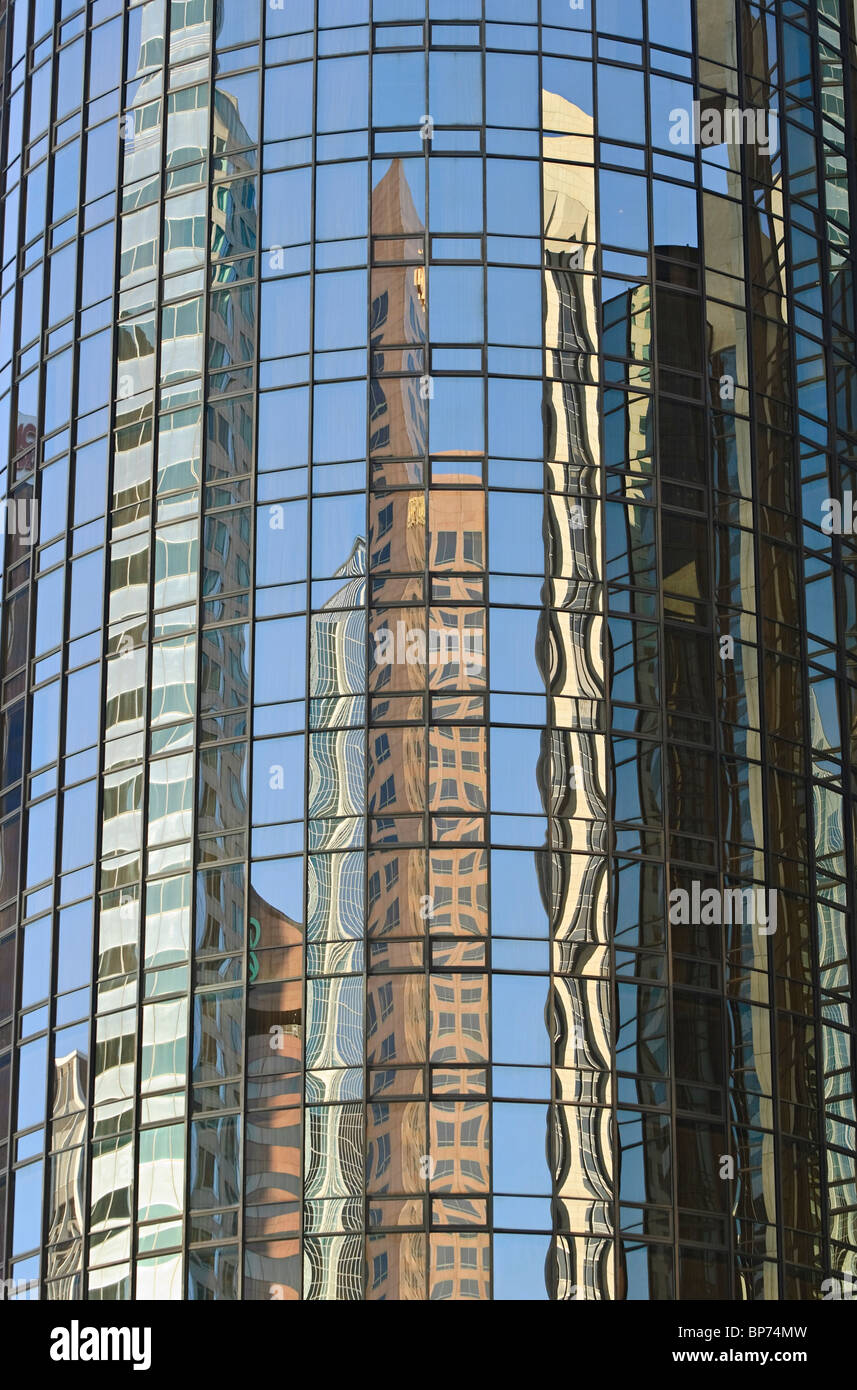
(428, 703)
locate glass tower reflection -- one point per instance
(414, 574)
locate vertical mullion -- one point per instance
(244, 1099)
(63, 683)
(97, 894)
(308, 698)
(195, 889)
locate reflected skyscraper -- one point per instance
(415, 449)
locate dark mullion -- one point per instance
(105, 613)
(761, 673)
(310, 479)
(825, 329)
(13, 477)
(778, 1013)
(427, 818)
(5, 65)
(251, 627)
(63, 703)
(204, 388)
(849, 87)
(666, 855)
(195, 860)
(25, 734)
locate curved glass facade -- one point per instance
(429, 683)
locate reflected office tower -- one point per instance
(428, 693)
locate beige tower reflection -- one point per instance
(573, 870)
